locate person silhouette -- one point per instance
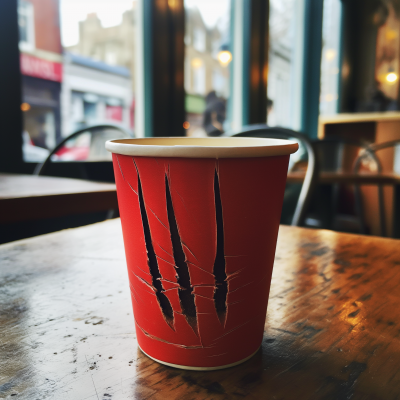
(214, 115)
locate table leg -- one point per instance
(396, 211)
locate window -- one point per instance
(219, 83)
(281, 61)
(206, 72)
(199, 39)
(26, 25)
(76, 76)
(330, 58)
(199, 76)
(215, 46)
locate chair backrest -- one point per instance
(310, 178)
(332, 152)
(94, 149)
(370, 154)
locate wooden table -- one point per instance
(369, 184)
(28, 197)
(67, 330)
(349, 178)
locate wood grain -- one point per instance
(67, 330)
(354, 118)
(348, 178)
(28, 197)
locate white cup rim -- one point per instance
(184, 147)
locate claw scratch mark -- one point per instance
(173, 344)
(146, 283)
(133, 295)
(200, 268)
(159, 220)
(217, 355)
(204, 297)
(235, 274)
(186, 297)
(147, 273)
(174, 283)
(204, 285)
(132, 188)
(190, 251)
(162, 299)
(120, 168)
(240, 287)
(165, 251)
(221, 286)
(235, 302)
(165, 260)
(233, 329)
(133, 288)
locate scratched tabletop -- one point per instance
(67, 329)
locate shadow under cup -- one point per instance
(200, 220)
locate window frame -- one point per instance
(160, 41)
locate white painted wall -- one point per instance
(83, 79)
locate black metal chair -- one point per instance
(99, 135)
(330, 151)
(101, 132)
(370, 154)
(264, 131)
(335, 154)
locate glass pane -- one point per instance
(88, 146)
(207, 59)
(281, 62)
(330, 57)
(77, 66)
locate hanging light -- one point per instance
(25, 107)
(224, 55)
(197, 62)
(330, 54)
(391, 77)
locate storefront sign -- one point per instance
(114, 113)
(39, 68)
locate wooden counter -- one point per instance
(376, 127)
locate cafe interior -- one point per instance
(320, 75)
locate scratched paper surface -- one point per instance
(200, 237)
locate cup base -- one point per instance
(187, 367)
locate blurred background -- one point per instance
(80, 61)
(327, 69)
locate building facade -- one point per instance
(113, 45)
(94, 93)
(203, 71)
(42, 73)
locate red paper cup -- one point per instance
(200, 220)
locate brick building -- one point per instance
(41, 68)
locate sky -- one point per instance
(211, 10)
(110, 13)
(72, 11)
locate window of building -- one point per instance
(199, 78)
(215, 47)
(26, 25)
(330, 58)
(281, 62)
(219, 83)
(206, 75)
(77, 66)
(199, 39)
